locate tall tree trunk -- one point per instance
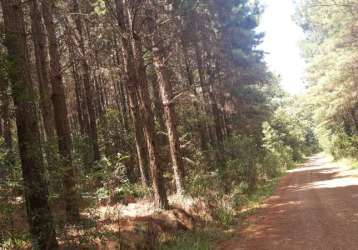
(80, 106)
(61, 116)
(139, 136)
(160, 195)
(122, 101)
(213, 74)
(137, 121)
(205, 90)
(136, 86)
(158, 108)
(42, 67)
(102, 102)
(87, 83)
(122, 93)
(200, 126)
(35, 185)
(149, 125)
(166, 93)
(124, 107)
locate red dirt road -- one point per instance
(315, 207)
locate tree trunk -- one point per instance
(160, 196)
(166, 93)
(5, 111)
(217, 117)
(139, 135)
(35, 185)
(205, 91)
(133, 83)
(80, 107)
(42, 67)
(61, 117)
(87, 84)
(158, 108)
(149, 127)
(137, 121)
(199, 125)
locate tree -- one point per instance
(85, 69)
(330, 50)
(166, 92)
(61, 117)
(42, 67)
(35, 186)
(5, 106)
(137, 85)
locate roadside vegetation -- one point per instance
(142, 123)
(208, 236)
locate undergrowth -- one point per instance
(350, 163)
(195, 240)
(354, 164)
(225, 217)
(255, 199)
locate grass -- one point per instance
(354, 165)
(255, 199)
(264, 191)
(14, 240)
(196, 240)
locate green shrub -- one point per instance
(225, 215)
(198, 240)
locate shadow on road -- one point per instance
(314, 207)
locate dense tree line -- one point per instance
(330, 49)
(137, 92)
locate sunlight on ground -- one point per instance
(294, 203)
(141, 208)
(303, 169)
(335, 183)
(342, 175)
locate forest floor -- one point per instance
(315, 206)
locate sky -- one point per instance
(281, 44)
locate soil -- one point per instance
(314, 207)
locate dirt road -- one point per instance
(315, 207)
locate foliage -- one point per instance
(288, 136)
(242, 160)
(230, 208)
(199, 240)
(330, 49)
(226, 116)
(225, 214)
(114, 137)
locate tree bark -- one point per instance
(205, 91)
(139, 136)
(133, 103)
(61, 117)
(87, 83)
(42, 67)
(158, 108)
(80, 106)
(199, 125)
(137, 86)
(5, 111)
(35, 185)
(166, 93)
